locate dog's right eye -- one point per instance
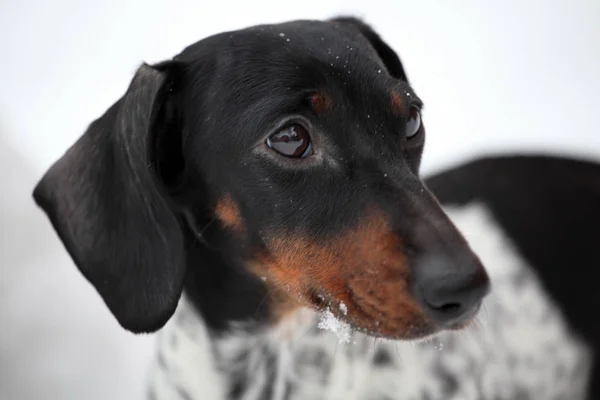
(292, 141)
(413, 126)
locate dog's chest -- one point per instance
(520, 348)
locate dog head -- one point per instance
(277, 162)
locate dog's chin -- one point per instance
(413, 336)
(416, 336)
(418, 331)
(412, 330)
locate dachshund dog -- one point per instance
(271, 175)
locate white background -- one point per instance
(495, 76)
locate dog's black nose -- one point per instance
(451, 294)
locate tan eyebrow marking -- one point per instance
(320, 102)
(397, 102)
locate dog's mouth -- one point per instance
(346, 316)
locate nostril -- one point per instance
(450, 307)
(449, 298)
(443, 309)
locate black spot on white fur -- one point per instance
(382, 358)
(449, 381)
(184, 395)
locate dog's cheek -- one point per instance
(377, 291)
(286, 270)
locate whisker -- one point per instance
(478, 324)
(374, 348)
(462, 334)
(201, 233)
(487, 316)
(349, 341)
(198, 233)
(473, 330)
(261, 304)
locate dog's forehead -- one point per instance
(321, 46)
(320, 37)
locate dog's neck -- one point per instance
(297, 360)
(223, 290)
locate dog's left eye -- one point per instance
(292, 141)
(413, 126)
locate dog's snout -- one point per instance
(451, 294)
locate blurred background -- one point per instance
(496, 77)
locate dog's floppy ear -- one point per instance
(106, 203)
(388, 56)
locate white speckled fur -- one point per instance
(520, 348)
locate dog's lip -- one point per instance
(347, 312)
(413, 334)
